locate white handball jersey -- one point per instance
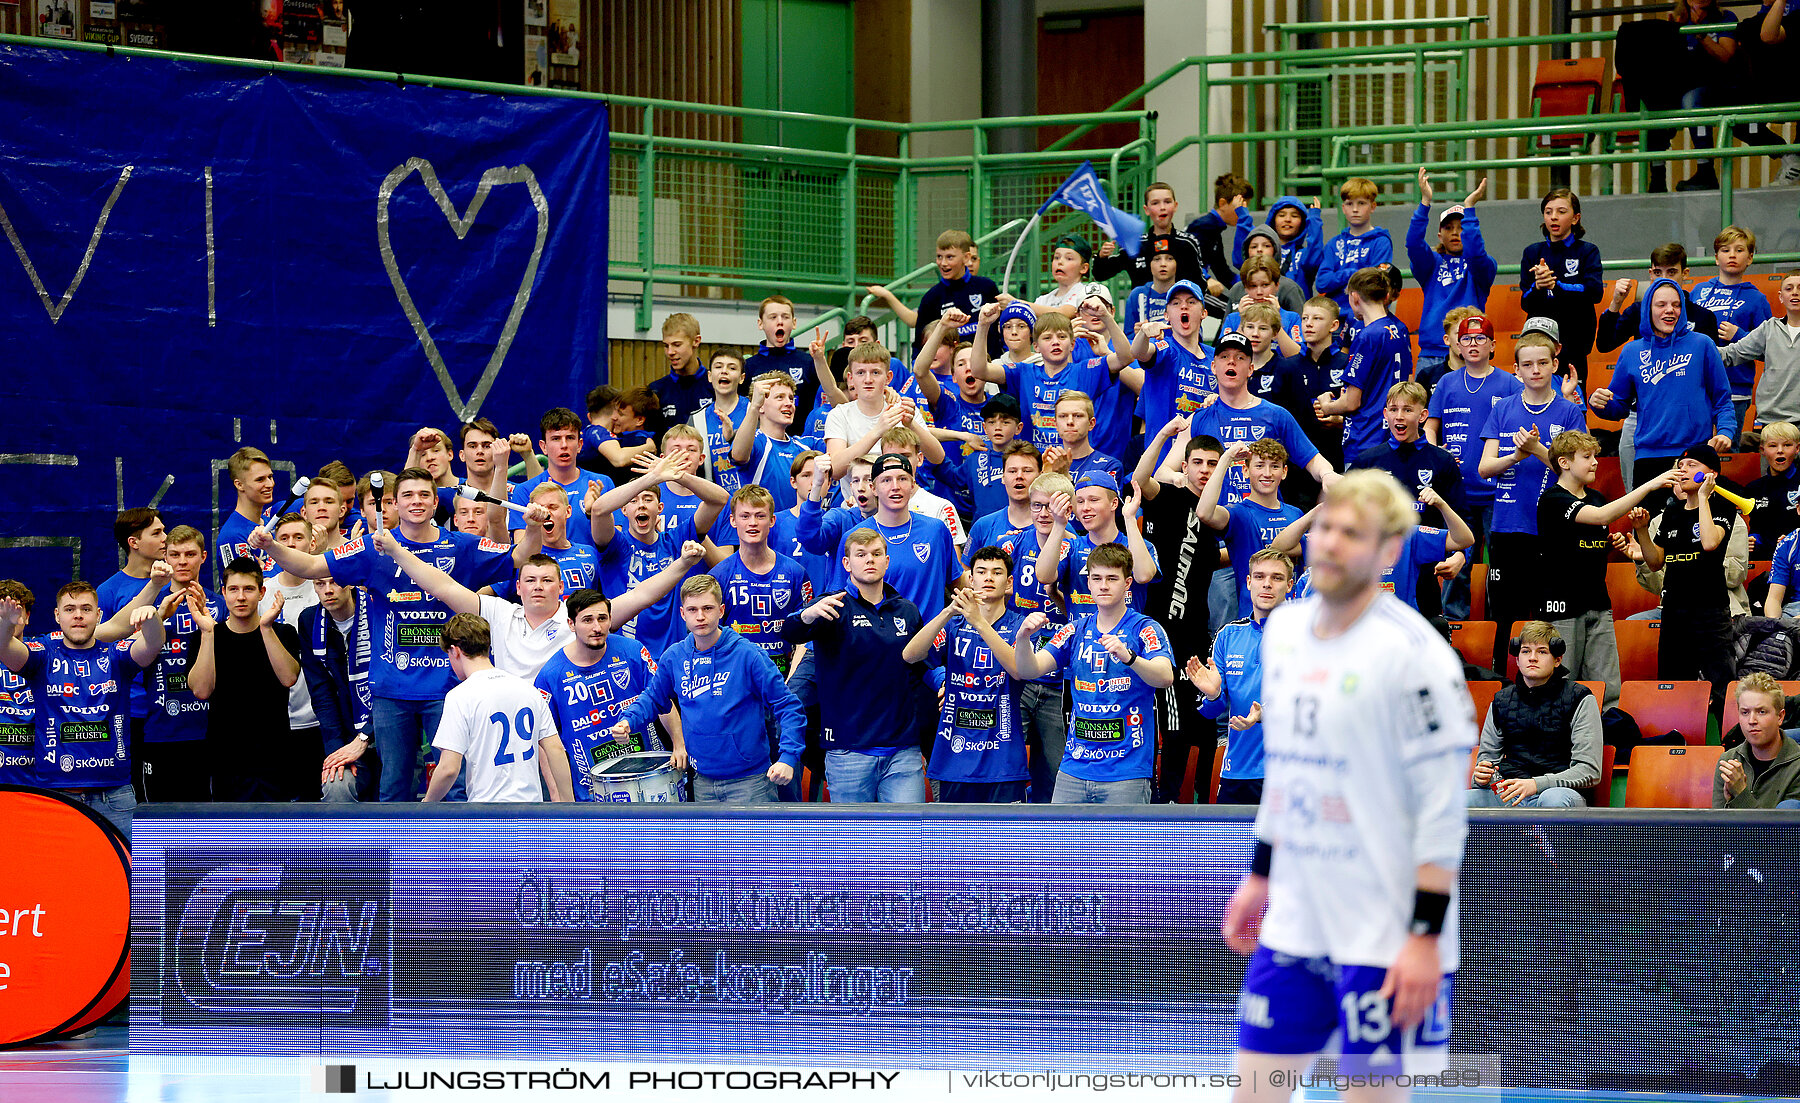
(494, 720)
(1367, 740)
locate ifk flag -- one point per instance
(1084, 192)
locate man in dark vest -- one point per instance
(1541, 742)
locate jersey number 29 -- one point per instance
(523, 723)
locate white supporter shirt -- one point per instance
(295, 600)
(1367, 740)
(516, 646)
(849, 424)
(926, 504)
(494, 720)
(1074, 295)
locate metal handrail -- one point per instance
(836, 312)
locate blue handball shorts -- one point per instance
(1310, 1005)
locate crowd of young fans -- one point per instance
(1033, 563)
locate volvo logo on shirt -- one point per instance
(254, 936)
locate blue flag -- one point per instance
(1084, 192)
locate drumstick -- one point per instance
(298, 493)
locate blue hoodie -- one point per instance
(1346, 255)
(1448, 282)
(723, 694)
(1673, 381)
(1300, 257)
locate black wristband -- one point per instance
(1133, 657)
(1260, 859)
(1429, 910)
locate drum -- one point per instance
(646, 777)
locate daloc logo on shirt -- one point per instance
(255, 936)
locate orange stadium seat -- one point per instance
(1185, 795)
(1218, 768)
(1566, 86)
(1473, 640)
(1409, 307)
(1478, 591)
(1638, 643)
(1627, 596)
(1660, 707)
(1770, 282)
(1671, 777)
(1599, 794)
(1609, 481)
(1742, 468)
(1505, 310)
(1483, 694)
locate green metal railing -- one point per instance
(1297, 69)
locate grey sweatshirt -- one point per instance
(1777, 345)
(1584, 748)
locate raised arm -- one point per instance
(901, 311)
(13, 652)
(652, 590)
(828, 384)
(1144, 475)
(952, 321)
(1287, 541)
(918, 648)
(983, 367)
(302, 564)
(1028, 663)
(1212, 514)
(1461, 535)
(1062, 507)
(1143, 563)
(120, 624)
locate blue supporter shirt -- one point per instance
(578, 563)
(757, 605)
(1744, 306)
(83, 738)
(1251, 529)
(18, 730)
(1426, 547)
(1237, 652)
(771, 466)
(1175, 381)
(175, 714)
(1787, 555)
(922, 560)
(979, 739)
(1252, 423)
(1380, 357)
(1071, 574)
(115, 594)
(627, 563)
(409, 664)
(1144, 304)
(682, 507)
(234, 541)
(1037, 391)
(1518, 488)
(588, 700)
(579, 533)
(1031, 594)
(1112, 734)
(982, 472)
(1462, 405)
(991, 529)
(718, 445)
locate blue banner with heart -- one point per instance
(201, 257)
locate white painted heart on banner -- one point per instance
(459, 224)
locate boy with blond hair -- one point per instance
(683, 390)
(1739, 306)
(762, 449)
(1359, 245)
(778, 352)
(1572, 525)
(1777, 492)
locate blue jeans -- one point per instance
(401, 728)
(1046, 734)
(1557, 796)
(116, 805)
(857, 778)
(755, 789)
(1222, 598)
(1074, 790)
